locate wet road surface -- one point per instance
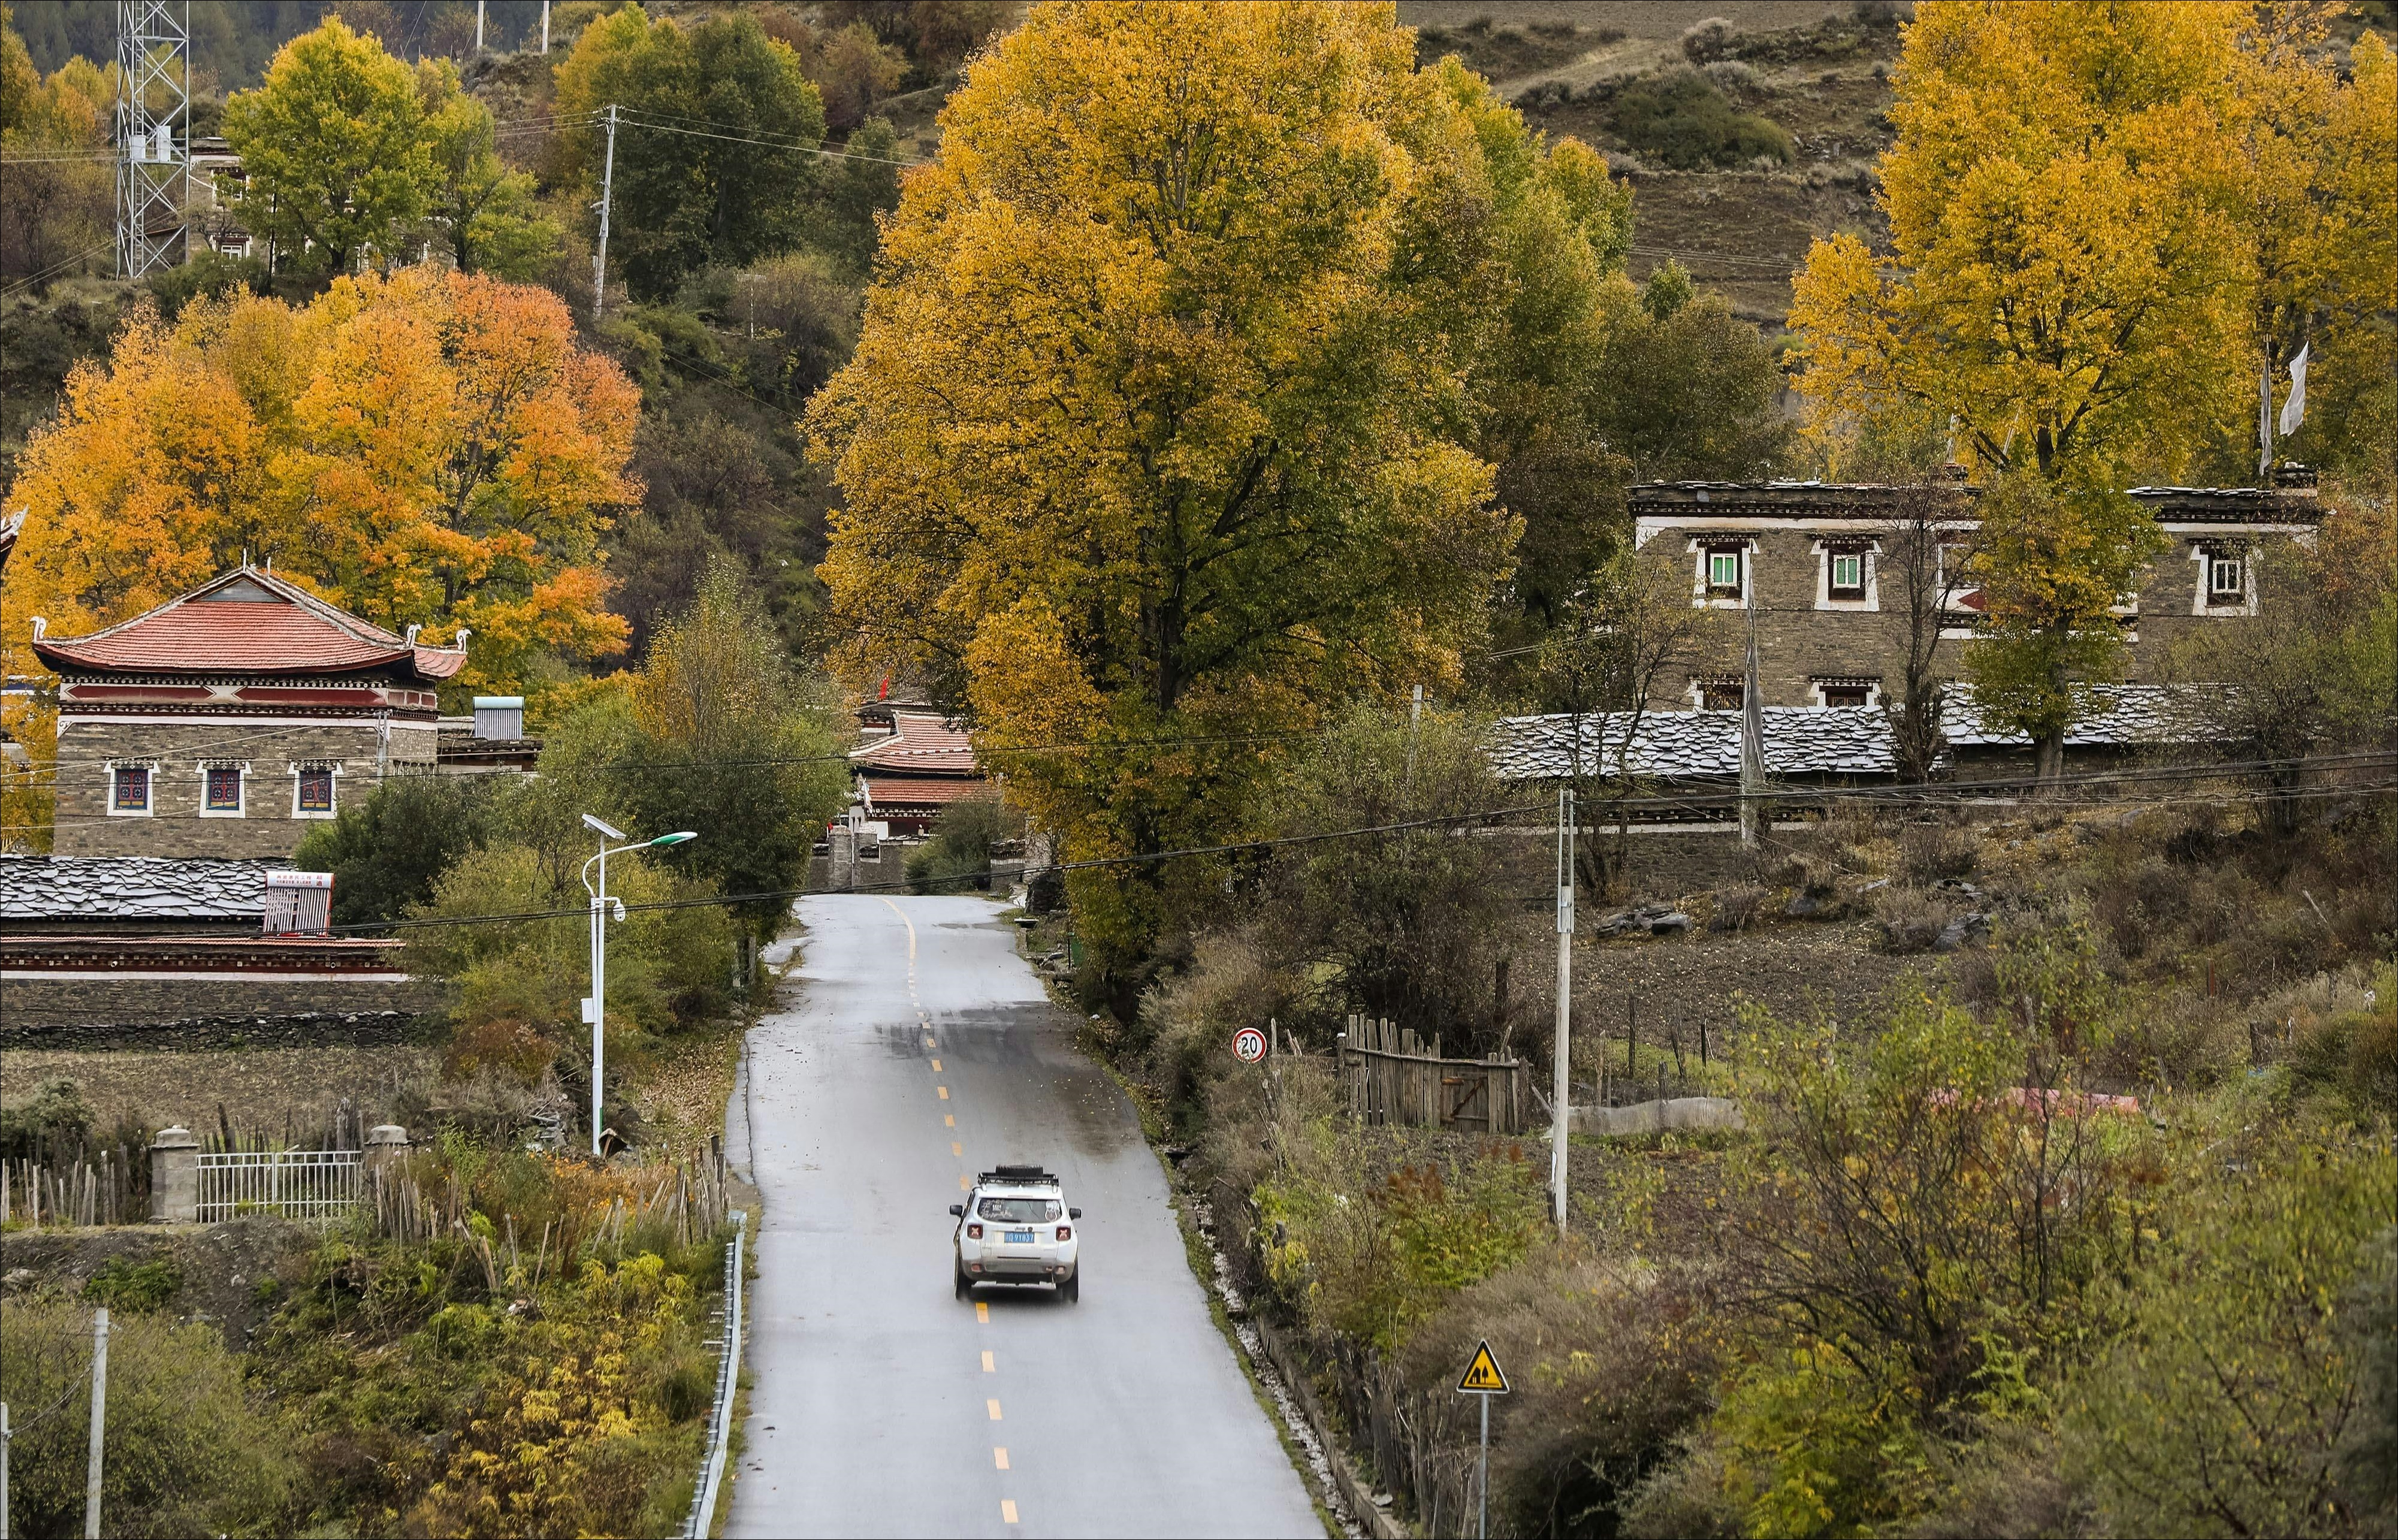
(915, 1047)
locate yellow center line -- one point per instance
(956, 1148)
(928, 1040)
(963, 1185)
(944, 1091)
(1006, 1510)
(988, 1365)
(994, 1409)
(936, 1064)
(982, 1310)
(950, 1122)
(1000, 1455)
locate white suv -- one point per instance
(1015, 1227)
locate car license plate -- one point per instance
(1019, 1238)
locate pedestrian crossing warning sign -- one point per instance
(1482, 1376)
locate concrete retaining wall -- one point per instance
(1680, 1115)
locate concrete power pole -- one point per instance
(1752, 746)
(478, 25)
(99, 1422)
(607, 188)
(1561, 1079)
(154, 104)
(545, 26)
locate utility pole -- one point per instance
(99, 1422)
(1415, 716)
(545, 26)
(607, 185)
(3, 1470)
(1561, 1081)
(478, 25)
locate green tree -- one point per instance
(715, 164)
(335, 151)
(387, 849)
(732, 744)
(485, 210)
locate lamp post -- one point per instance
(595, 1009)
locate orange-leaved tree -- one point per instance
(428, 447)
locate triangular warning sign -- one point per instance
(1483, 1375)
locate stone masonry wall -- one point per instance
(1797, 642)
(37, 1005)
(175, 826)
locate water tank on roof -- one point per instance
(499, 716)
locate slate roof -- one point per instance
(247, 621)
(1799, 740)
(132, 887)
(924, 744)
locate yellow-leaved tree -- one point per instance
(1157, 439)
(429, 448)
(2105, 218)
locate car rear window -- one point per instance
(1021, 1210)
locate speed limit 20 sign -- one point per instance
(1248, 1044)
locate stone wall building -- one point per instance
(226, 722)
(1806, 557)
(913, 764)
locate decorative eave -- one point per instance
(266, 625)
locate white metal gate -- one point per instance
(290, 1183)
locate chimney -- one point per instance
(499, 716)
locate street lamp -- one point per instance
(595, 1008)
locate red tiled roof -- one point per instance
(249, 622)
(923, 744)
(886, 792)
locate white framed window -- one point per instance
(1848, 574)
(1719, 694)
(131, 788)
(1845, 691)
(225, 789)
(1723, 571)
(315, 789)
(2226, 579)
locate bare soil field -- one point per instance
(260, 1090)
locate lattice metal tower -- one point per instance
(154, 149)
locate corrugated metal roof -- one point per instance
(133, 887)
(249, 622)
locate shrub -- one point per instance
(56, 1115)
(123, 1285)
(1907, 920)
(183, 1451)
(1737, 907)
(1705, 41)
(1930, 852)
(2355, 1052)
(1681, 120)
(2237, 1329)
(958, 855)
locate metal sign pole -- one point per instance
(1482, 1474)
(3, 1470)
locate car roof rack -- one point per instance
(1016, 1176)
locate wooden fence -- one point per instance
(1393, 1076)
(114, 1189)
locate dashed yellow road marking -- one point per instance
(948, 1121)
(936, 1064)
(928, 1040)
(982, 1310)
(1007, 1511)
(988, 1365)
(944, 1092)
(963, 1185)
(956, 1148)
(994, 1409)
(1000, 1457)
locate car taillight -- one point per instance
(974, 1232)
(1065, 1231)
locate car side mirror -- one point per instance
(957, 1210)
(1073, 1213)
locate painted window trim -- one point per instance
(1703, 593)
(1817, 685)
(149, 807)
(1867, 601)
(240, 769)
(2203, 554)
(1697, 693)
(324, 767)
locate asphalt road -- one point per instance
(916, 1048)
